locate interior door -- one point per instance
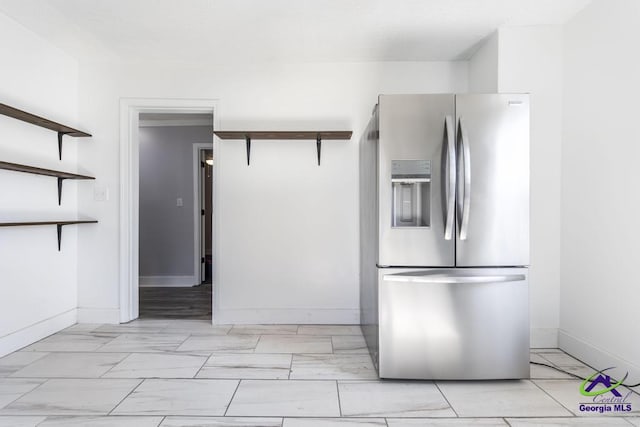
(493, 180)
(415, 174)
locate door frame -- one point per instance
(198, 148)
(130, 109)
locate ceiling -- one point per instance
(229, 31)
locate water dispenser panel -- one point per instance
(411, 181)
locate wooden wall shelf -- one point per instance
(46, 172)
(247, 136)
(58, 224)
(42, 122)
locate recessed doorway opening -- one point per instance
(175, 215)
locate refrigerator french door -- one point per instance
(452, 199)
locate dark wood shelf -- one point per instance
(247, 136)
(42, 122)
(58, 224)
(46, 172)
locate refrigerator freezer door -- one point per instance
(454, 324)
(493, 180)
(413, 180)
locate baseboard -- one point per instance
(98, 315)
(544, 338)
(598, 358)
(30, 334)
(167, 281)
(288, 316)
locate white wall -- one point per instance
(289, 229)
(600, 199)
(37, 283)
(483, 67)
(166, 229)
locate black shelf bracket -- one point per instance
(248, 141)
(60, 135)
(318, 147)
(60, 190)
(59, 229)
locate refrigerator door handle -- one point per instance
(450, 182)
(431, 278)
(464, 185)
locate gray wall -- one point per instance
(166, 173)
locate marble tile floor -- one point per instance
(188, 373)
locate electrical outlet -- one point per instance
(179, 202)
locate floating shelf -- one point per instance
(42, 122)
(46, 172)
(300, 135)
(58, 224)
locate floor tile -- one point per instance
(72, 397)
(223, 343)
(349, 344)
(634, 421)
(179, 397)
(334, 422)
(499, 399)
(196, 327)
(105, 421)
(247, 366)
(264, 330)
(81, 328)
(544, 372)
(546, 350)
(569, 421)
(392, 399)
(332, 366)
(143, 343)
(568, 363)
(71, 365)
(329, 330)
(567, 393)
(134, 328)
(293, 344)
(221, 422)
(157, 365)
(18, 360)
(72, 342)
(285, 398)
(20, 421)
(445, 422)
(13, 388)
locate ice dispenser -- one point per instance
(411, 181)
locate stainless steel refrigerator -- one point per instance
(444, 209)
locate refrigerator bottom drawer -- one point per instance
(467, 324)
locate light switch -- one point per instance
(100, 193)
(179, 202)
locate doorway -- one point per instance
(174, 281)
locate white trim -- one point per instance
(130, 108)
(26, 336)
(168, 281)
(599, 358)
(98, 315)
(174, 122)
(197, 232)
(310, 316)
(544, 338)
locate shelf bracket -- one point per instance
(60, 190)
(318, 147)
(59, 229)
(248, 140)
(60, 135)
